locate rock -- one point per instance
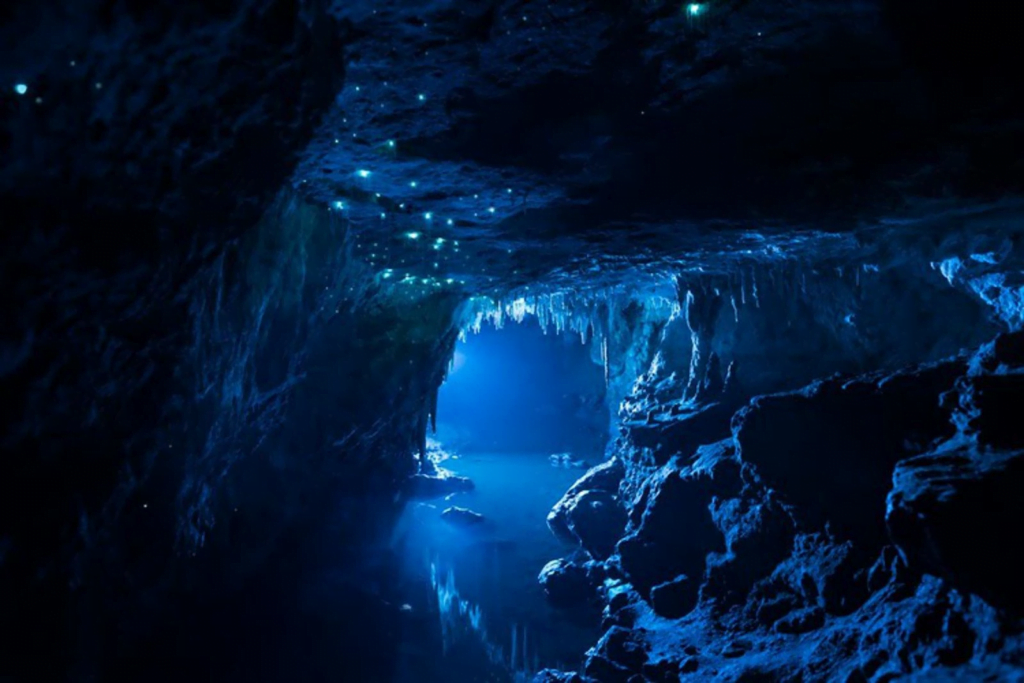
(553, 676)
(674, 599)
(605, 477)
(801, 621)
(948, 514)
(663, 671)
(683, 429)
(771, 610)
(604, 670)
(988, 396)
(676, 531)
(596, 520)
(624, 647)
(829, 449)
(464, 517)
(426, 486)
(567, 584)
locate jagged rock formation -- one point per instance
(774, 554)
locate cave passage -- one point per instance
(522, 415)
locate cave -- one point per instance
(490, 341)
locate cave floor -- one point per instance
(498, 625)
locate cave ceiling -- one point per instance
(557, 141)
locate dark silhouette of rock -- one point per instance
(567, 583)
(464, 517)
(812, 445)
(947, 515)
(596, 520)
(426, 487)
(604, 478)
(673, 599)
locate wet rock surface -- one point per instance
(742, 564)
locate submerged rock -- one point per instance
(464, 517)
(426, 486)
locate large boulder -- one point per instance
(604, 478)
(596, 519)
(675, 531)
(954, 514)
(829, 449)
(569, 584)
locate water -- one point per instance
(488, 618)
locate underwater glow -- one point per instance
(339, 205)
(694, 9)
(21, 88)
(363, 173)
(413, 235)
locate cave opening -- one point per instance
(522, 414)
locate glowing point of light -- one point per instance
(339, 205)
(450, 222)
(383, 215)
(402, 205)
(386, 275)
(694, 9)
(413, 235)
(363, 173)
(490, 209)
(421, 97)
(509, 190)
(391, 144)
(449, 280)
(357, 88)
(439, 240)
(413, 183)
(428, 216)
(21, 88)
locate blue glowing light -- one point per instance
(694, 9)
(490, 209)
(339, 205)
(391, 144)
(413, 235)
(428, 215)
(383, 215)
(363, 173)
(439, 240)
(450, 222)
(21, 88)
(413, 183)
(421, 97)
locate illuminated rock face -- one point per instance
(239, 239)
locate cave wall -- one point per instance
(198, 370)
